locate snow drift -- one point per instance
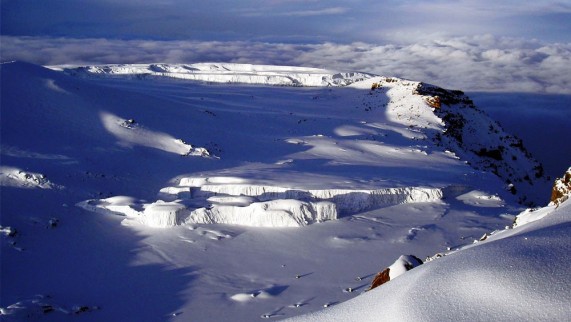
(515, 274)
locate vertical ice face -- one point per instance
(162, 214)
(225, 73)
(275, 213)
(231, 201)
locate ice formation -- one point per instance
(228, 200)
(274, 213)
(225, 73)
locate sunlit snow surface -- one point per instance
(174, 174)
(515, 274)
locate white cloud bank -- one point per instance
(475, 63)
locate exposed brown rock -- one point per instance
(380, 278)
(561, 189)
(433, 101)
(448, 97)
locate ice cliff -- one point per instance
(225, 200)
(223, 73)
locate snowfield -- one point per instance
(205, 192)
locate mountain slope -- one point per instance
(465, 129)
(474, 137)
(356, 170)
(516, 274)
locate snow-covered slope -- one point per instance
(515, 274)
(342, 174)
(467, 131)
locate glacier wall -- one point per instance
(274, 213)
(229, 200)
(347, 201)
(224, 73)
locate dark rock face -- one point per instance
(495, 154)
(447, 97)
(482, 142)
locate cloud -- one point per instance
(476, 63)
(319, 12)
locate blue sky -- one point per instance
(291, 21)
(493, 42)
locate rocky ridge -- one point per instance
(475, 137)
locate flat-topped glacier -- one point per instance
(224, 73)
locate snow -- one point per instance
(129, 135)
(531, 215)
(275, 213)
(7, 231)
(347, 179)
(399, 267)
(255, 205)
(523, 114)
(162, 214)
(14, 177)
(224, 73)
(517, 274)
(38, 306)
(480, 199)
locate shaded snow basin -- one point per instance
(228, 200)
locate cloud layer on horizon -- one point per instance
(475, 63)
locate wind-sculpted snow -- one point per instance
(224, 73)
(229, 200)
(129, 134)
(520, 273)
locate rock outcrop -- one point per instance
(482, 142)
(561, 189)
